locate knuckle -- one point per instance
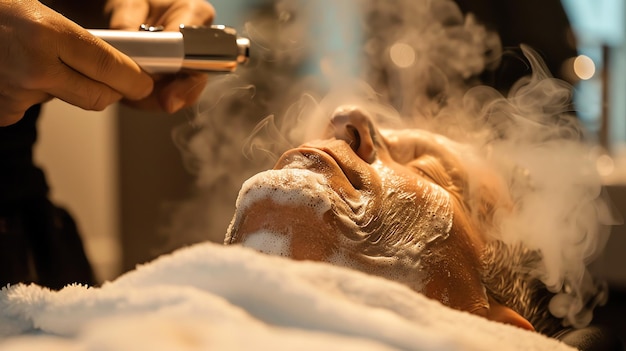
(7, 119)
(99, 99)
(103, 56)
(12, 114)
(104, 63)
(19, 100)
(13, 110)
(207, 8)
(204, 11)
(30, 71)
(35, 77)
(36, 66)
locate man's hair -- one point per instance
(510, 276)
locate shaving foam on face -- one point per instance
(287, 187)
(414, 218)
(269, 243)
(413, 215)
(293, 187)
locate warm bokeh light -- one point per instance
(584, 67)
(402, 55)
(605, 165)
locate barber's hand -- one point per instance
(171, 92)
(45, 55)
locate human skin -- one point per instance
(46, 55)
(171, 92)
(388, 203)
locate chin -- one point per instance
(265, 198)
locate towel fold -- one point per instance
(210, 296)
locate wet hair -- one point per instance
(509, 273)
(508, 277)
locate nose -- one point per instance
(355, 127)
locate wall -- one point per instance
(77, 150)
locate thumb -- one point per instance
(127, 14)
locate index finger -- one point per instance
(127, 14)
(99, 61)
(198, 12)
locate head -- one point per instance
(407, 205)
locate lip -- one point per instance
(335, 165)
(313, 159)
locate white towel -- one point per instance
(214, 297)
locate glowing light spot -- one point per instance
(605, 165)
(402, 55)
(584, 67)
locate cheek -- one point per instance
(454, 276)
(424, 227)
(414, 212)
(455, 269)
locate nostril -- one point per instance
(344, 130)
(355, 128)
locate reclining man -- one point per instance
(408, 205)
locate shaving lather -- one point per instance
(207, 49)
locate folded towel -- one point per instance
(210, 296)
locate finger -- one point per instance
(184, 91)
(97, 60)
(197, 12)
(15, 105)
(173, 93)
(127, 14)
(8, 118)
(151, 102)
(83, 92)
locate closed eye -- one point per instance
(432, 168)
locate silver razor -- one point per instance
(207, 49)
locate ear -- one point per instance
(503, 314)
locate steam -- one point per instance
(421, 61)
(559, 207)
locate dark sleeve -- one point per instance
(20, 179)
(88, 14)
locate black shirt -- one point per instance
(20, 179)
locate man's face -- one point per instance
(388, 203)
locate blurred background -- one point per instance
(120, 174)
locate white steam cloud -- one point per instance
(420, 66)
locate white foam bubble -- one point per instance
(269, 243)
(288, 187)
